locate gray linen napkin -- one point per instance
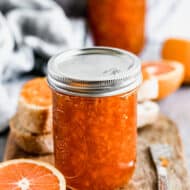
(28, 28)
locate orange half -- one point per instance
(26, 174)
(170, 75)
(37, 92)
(178, 50)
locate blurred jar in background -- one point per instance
(118, 23)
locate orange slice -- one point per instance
(178, 50)
(37, 92)
(25, 174)
(170, 75)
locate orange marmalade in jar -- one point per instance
(94, 116)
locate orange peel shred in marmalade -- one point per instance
(95, 139)
(37, 92)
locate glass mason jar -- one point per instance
(119, 24)
(94, 116)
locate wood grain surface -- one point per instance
(163, 131)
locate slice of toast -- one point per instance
(148, 90)
(31, 142)
(34, 111)
(147, 113)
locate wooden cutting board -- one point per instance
(163, 131)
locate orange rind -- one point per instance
(178, 50)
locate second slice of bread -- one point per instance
(30, 142)
(33, 118)
(147, 113)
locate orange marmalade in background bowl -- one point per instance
(94, 116)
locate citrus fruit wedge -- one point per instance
(170, 75)
(178, 50)
(26, 174)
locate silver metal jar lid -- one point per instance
(94, 72)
